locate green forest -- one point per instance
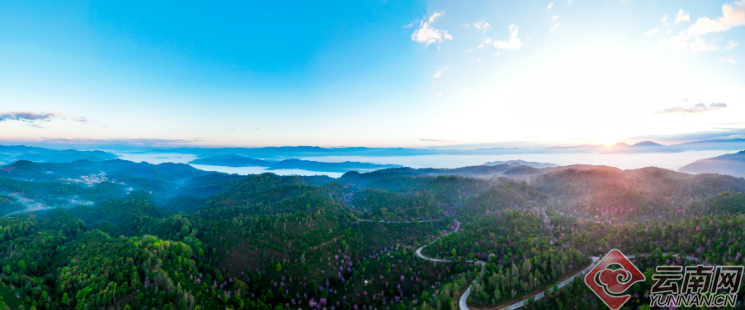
(121, 235)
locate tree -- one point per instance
(21, 265)
(526, 268)
(140, 296)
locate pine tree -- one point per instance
(526, 268)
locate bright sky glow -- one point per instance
(372, 73)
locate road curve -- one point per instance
(464, 297)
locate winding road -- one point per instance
(464, 297)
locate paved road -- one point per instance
(464, 297)
(419, 250)
(540, 295)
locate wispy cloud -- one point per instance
(684, 41)
(727, 59)
(486, 41)
(664, 20)
(513, 42)
(731, 44)
(427, 34)
(555, 26)
(695, 109)
(682, 16)
(26, 116)
(50, 142)
(436, 140)
(651, 32)
(438, 73)
(482, 25)
(550, 5)
(33, 119)
(733, 15)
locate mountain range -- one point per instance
(732, 164)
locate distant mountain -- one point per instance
(14, 153)
(232, 160)
(235, 160)
(641, 147)
(328, 167)
(520, 162)
(647, 144)
(732, 164)
(730, 144)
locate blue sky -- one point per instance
(372, 73)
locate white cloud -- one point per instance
(486, 41)
(411, 24)
(438, 73)
(496, 54)
(678, 42)
(684, 41)
(733, 15)
(427, 34)
(478, 59)
(513, 42)
(550, 5)
(482, 25)
(731, 44)
(682, 16)
(699, 45)
(651, 32)
(435, 16)
(438, 94)
(555, 17)
(727, 59)
(664, 20)
(555, 26)
(698, 108)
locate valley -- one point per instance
(396, 238)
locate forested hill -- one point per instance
(121, 235)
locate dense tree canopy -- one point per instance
(169, 236)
